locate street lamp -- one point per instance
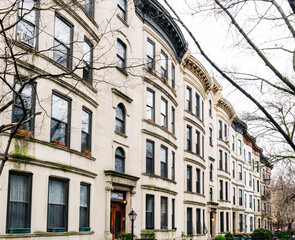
(132, 215)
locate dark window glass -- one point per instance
(121, 54)
(197, 143)
(227, 221)
(225, 161)
(234, 196)
(211, 171)
(225, 131)
(197, 105)
(164, 65)
(120, 160)
(198, 221)
(210, 108)
(28, 97)
(164, 112)
(57, 218)
(19, 202)
(150, 52)
(211, 194)
(210, 136)
(173, 167)
(87, 61)
(240, 197)
(189, 178)
(198, 181)
(26, 30)
(172, 75)
(60, 119)
(226, 190)
(89, 7)
(202, 111)
(120, 118)
(233, 143)
(241, 222)
(86, 130)
(188, 99)
(149, 212)
(150, 157)
(150, 104)
(221, 221)
(121, 11)
(220, 129)
(240, 172)
(173, 120)
(63, 35)
(164, 217)
(220, 189)
(189, 221)
(173, 214)
(234, 169)
(84, 206)
(220, 159)
(164, 172)
(188, 138)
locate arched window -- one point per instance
(211, 171)
(120, 160)
(120, 118)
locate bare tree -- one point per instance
(25, 60)
(271, 88)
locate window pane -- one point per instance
(85, 121)
(60, 108)
(25, 32)
(163, 61)
(163, 155)
(57, 192)
(120, 113)
(58, 131)
(62, 31)
(122, 4)
(25, 10)
(89, 7)
(18, 188)
(87, 52)
(61, 54)
(83, 196)
(121, 50)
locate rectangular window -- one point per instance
(240, 172)
(150, 104)
(210, 108)
(150, 161)
(189, 221)
(89, 7)
(197, 105)
(172, 75)
(19, 202)
(225, 131)
(250, 201)
(226, 191)
(173, 214)
(121, 54)
(188, 138)
(221, 189)
(164, 213)
(240, 197)
(251, 224)
(198, 181)
(87, 61)
(164, 65)
(121, 11)
(197, 143)
(84, 206)
(225, 161)
(60, 120)
(164, 104)
(202, 111)
(220, 159)
(150, 54)
(258, 186)
(234, 169)
(227, 221)
(245, 200)
(57, 216)
(28, 97)
(164, 172)
(189, 99)
(189, 178)
(233, 143)
(234, 196)
(63, 42)
(173, 120)
(86, 130)
(250, 180)
(254, 204)
(27, 27)
(258, 205)
(240, 147)
(219, 129)
(149, 212)
(241, 222)
(173, 167)
(198, 221)
(210, 136)
(203, 146)
(222, 222)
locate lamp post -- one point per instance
(132, 215)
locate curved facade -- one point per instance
(129, 120)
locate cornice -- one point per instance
(227, 107)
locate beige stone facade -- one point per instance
(146, 129)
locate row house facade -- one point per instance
(129, 119)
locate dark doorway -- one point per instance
(117, 218)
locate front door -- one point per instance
(117, 218)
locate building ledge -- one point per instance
(44, 234)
